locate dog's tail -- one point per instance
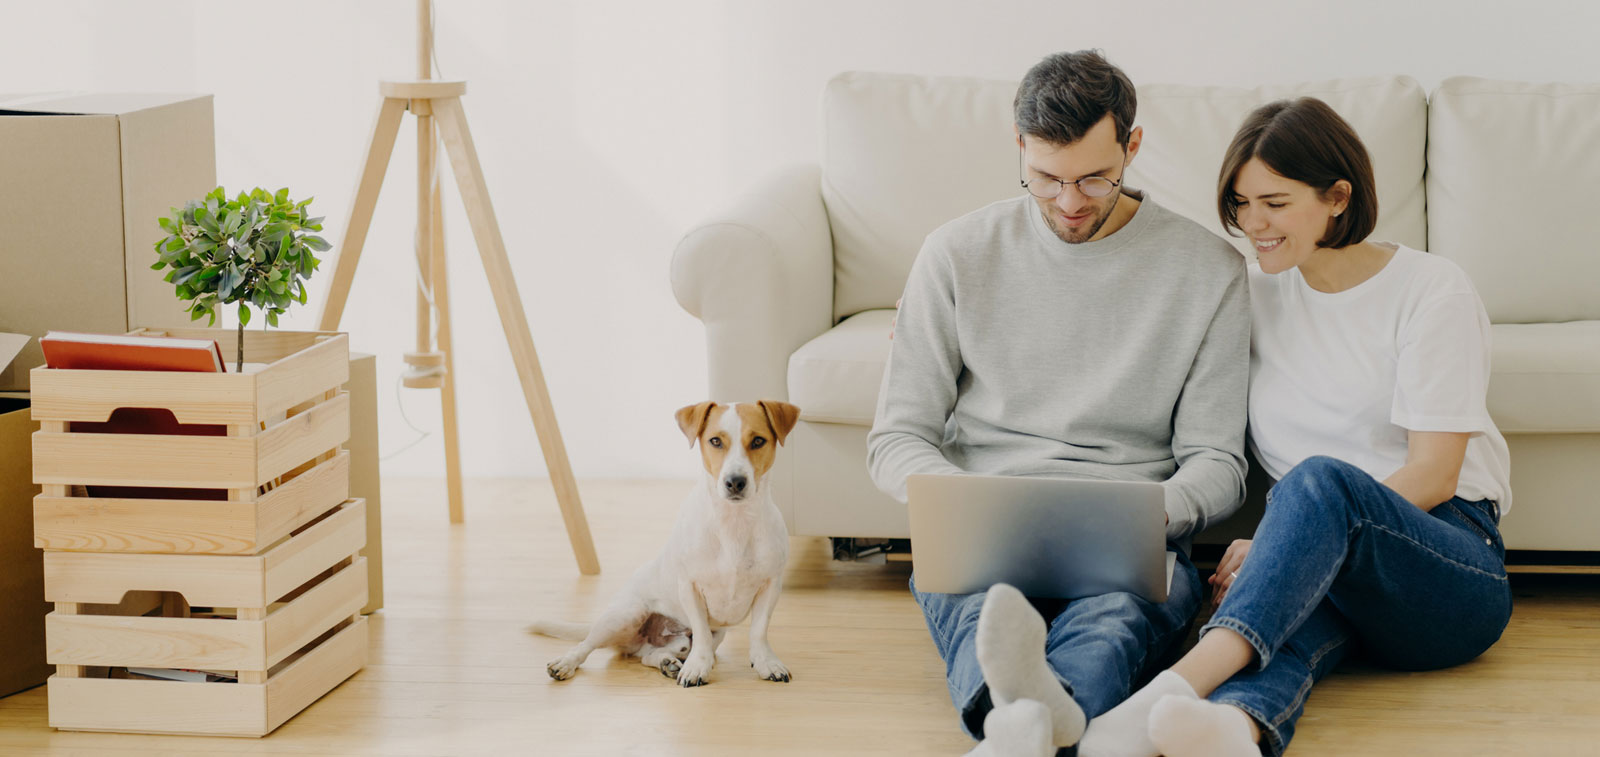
(560, 630)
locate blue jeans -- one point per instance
(1338, 559)
(1099, 647)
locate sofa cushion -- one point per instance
(1187, 129)
(1512, 169)
(1546, 377)
(835, 377)
(902, 155)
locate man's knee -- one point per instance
(1116, 607)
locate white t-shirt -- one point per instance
(1347, 374)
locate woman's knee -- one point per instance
(1319, 483)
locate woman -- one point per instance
(1368, 370)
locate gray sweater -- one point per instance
(1124, 358)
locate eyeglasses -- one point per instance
(1046, 188)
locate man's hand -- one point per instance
(1228, 570)
(896, 317)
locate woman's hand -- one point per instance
(1228, 570)
(895, 318)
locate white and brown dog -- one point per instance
(723, 561)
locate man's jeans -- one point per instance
(1338, 559)
(1099, 647)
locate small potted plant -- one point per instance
(255, 249)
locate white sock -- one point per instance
(1183, 727)
(1125, 730)
(1019, 729)
(1011, 654)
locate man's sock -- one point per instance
(1184, 727)
(1011, 653)
(1019, 729)
(1125, 730)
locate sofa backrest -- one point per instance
(1513, 170)
(902, 155)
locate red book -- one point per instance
(120, 352)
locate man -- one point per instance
(1079, 330)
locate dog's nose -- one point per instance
(736, 484)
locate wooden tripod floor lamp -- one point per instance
(437, 106)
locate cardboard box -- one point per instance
(363, 447)
(86, 177)
(22, 605)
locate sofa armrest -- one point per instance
(760, 277)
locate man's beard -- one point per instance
(1071, 236)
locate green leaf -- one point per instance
(206, 218)
(182, 275)
(272, 317)
(317, 243)
(196, 312)
(209, 273)
(167, 225)
(158, 266)
(244, 314)
(282, 196)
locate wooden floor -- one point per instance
(453, 673)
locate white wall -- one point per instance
(607, 129)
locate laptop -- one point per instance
(1056, 538)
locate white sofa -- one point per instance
(796, 283)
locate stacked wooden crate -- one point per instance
(227, 544)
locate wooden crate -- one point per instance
(275, 464)
(287, 621)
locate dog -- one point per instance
(723, 561)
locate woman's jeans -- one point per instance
(1340, 558)
(1099, 647)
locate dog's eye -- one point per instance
(758, 442)
(716, 441)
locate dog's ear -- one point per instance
(692, 419)
(782, 416)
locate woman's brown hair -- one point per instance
(1304, 140)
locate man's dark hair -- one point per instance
(1304, 140)
(1066, 94)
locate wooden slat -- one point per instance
(65, 609)
(311, 614)
(264, 346)
(312, 551)
(305, 680)
(208, 580)
(146, 525)
(303, 498)
(154, 642)
(135, 706)
(302, 376)
(206, 462)
(286, 445)
(203, 580)
(91, 396)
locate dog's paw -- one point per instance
(771, 669)
(670, 667)
(696, 671)
(562, 669)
